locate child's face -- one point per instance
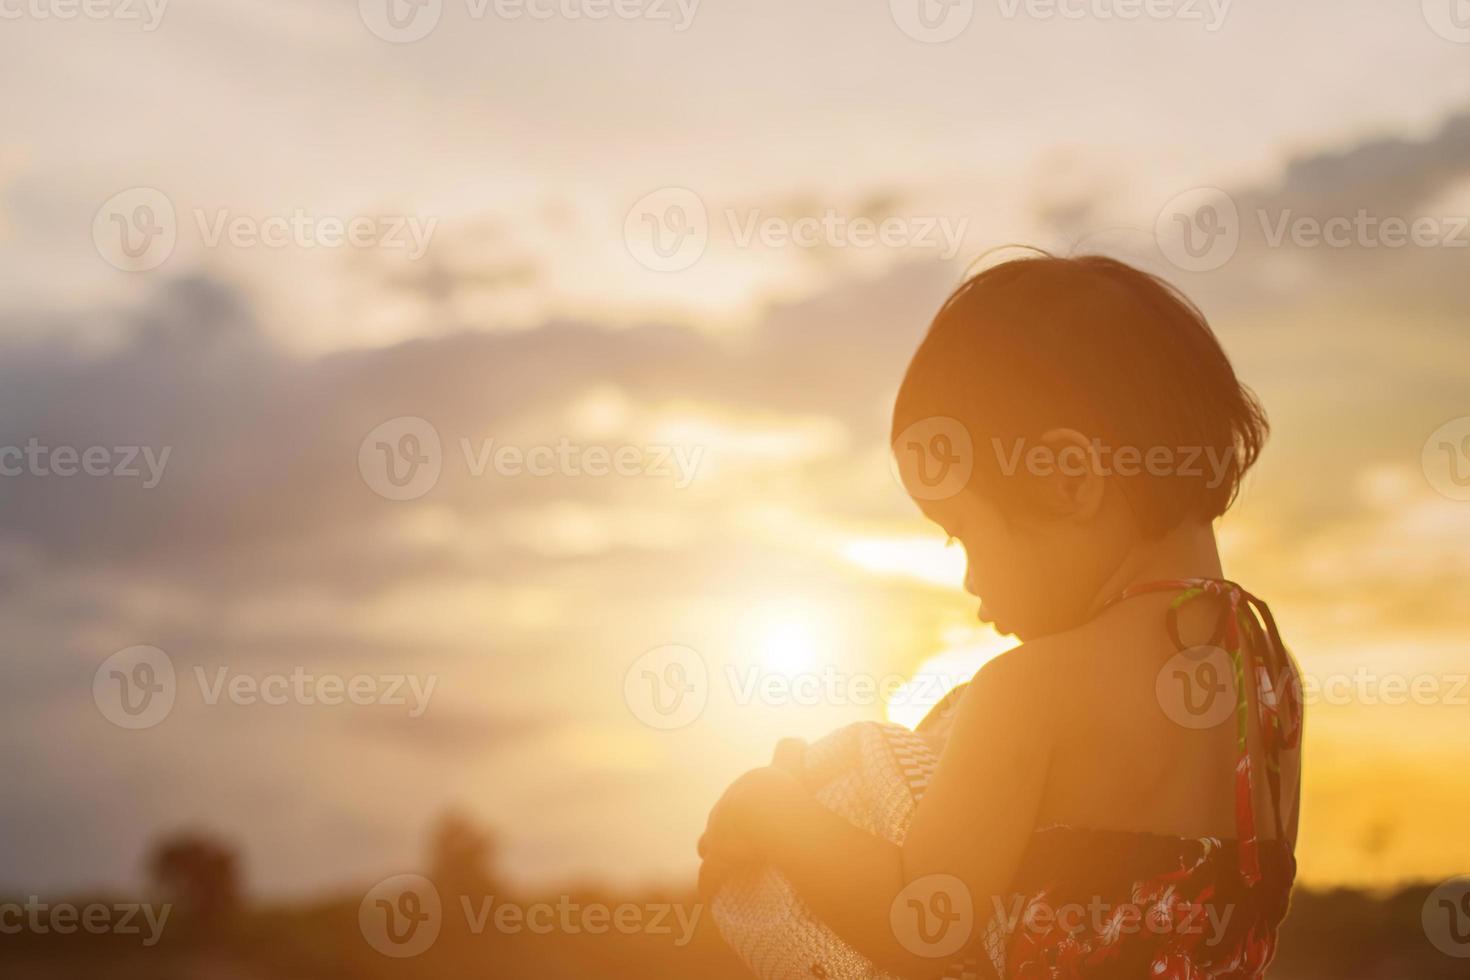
(1032, 577)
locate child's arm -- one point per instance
(972, 825)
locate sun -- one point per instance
(790, 639)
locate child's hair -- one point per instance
(1092, 344)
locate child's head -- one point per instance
(1059, 413)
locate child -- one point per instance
(1117, 797)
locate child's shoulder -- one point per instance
(1044, 656)
(1059, 672)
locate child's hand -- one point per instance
(743, 822)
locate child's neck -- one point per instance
(1187, 551)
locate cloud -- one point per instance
(264, 547)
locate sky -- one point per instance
(646, 233)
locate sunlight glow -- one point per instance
(750, 439)
(966, 651)
(790, 639)
(924, 559)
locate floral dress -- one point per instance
(1102, 903)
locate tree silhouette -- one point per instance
(199, 875)
(462, 856)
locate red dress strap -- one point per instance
(1278, 693)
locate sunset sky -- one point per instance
(528, 319)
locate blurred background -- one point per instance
(449, 437)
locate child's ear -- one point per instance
(1072, 485)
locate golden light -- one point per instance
(788, 642)
(966, 651)
(789, 638)
(921, 558)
